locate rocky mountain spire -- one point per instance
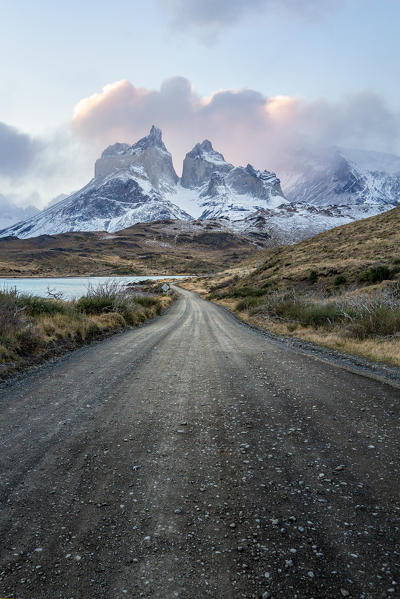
(148, 157)
(153, 139)
(200, 163)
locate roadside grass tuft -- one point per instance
(248, 303)
(358, 316)
(110, 297)
(31, 325)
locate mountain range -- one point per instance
(138, 183)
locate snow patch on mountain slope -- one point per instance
(186, 199)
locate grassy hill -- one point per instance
(164, 247)
(340, 288)
(357, 253)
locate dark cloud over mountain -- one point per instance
(17, 151)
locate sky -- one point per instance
(257, 77)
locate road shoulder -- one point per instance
(378, 371)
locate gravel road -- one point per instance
(193, 457)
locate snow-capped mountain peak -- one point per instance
(138, 183)
(342, 177)
(200, 163)
(205, 151)
(148, 160)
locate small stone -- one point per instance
(310, 573)
(233, 525)
(344, 593)
(266, 595)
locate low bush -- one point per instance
(146, 300)
(376, 274)
(32, 305)
(245, 292)
(95, 305)
(248, 303)
(357, 316)
(340, 280)
(112, 297)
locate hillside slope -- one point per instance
(349, 251)
(170, 247)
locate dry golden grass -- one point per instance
(197, 285)
(64, 326)
(385, 350)
(377, 349)
(33, 328)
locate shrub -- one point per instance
(247, 303)
(376, 274)
(95, 305)
(340, 280)
(32, 305)
(313, 276)
(358, 316)
(28, 341)
(246, 292)
(146, 300)
(307, 313)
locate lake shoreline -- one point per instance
(69, 288)
(142, 277)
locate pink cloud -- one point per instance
(245, 125)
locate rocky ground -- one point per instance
(195, 457)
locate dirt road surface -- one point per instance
(194, 457)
